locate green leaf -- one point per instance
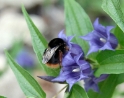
(27, 83)
(111, 62)
(77, 22)
(107, 88)
(77, 92)
(120, 78)
(2, 96)
(39, 43)
(120, 36)
(113, 9)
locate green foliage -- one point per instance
(111, 62)
(77, 22)
(39, 43)
(2, 97)
(113, 9)
(107, 88)
(27, 83)
(77, 92)
(120, 36)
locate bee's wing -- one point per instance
(48, 54)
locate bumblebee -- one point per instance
(53, 55)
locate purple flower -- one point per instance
(74, 67)
(92, 82)
(67, 39)
(73, 70)
(73, 48)
(100, 38)
(25, 59)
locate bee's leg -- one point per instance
(60, 57)
(66, 48)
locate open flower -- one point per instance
(73, 70)
(100, 38)
(92, 82)
(73, 66)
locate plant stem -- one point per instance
(94, 63)
(55, 96)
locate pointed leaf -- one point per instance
(27, 83)
(107, 88)
(111, 62)
(77, 92)
(77, 22)
(39, 43)
(113, 9)
(120, 36)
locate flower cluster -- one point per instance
(75, 67)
